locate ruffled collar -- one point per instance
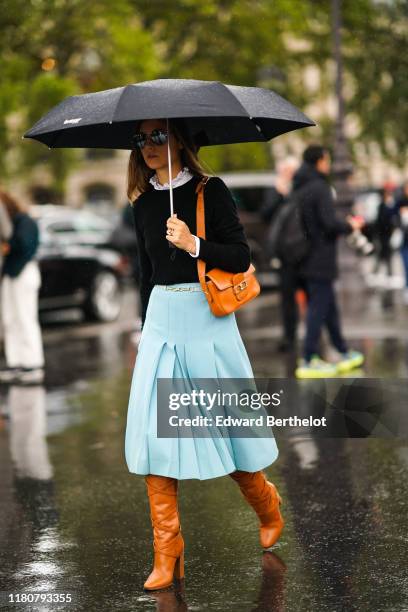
(183, 177)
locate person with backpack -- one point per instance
(318, 265)
(277, 212)
(20, 284)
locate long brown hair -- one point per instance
(11, 204)
(138, 173)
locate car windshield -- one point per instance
(77, 228)
(91, 223)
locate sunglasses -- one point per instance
(157, 137)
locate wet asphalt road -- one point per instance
(73, 520)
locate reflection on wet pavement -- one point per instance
(73, 520)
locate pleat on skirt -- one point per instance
(181, 338)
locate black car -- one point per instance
(77, 268)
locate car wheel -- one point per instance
(105, 298)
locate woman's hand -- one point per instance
(179, 234)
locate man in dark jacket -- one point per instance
(320, 267)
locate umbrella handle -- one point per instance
(171, 245)
(169, 162)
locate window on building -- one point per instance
(100, 197)
(44, 195)
(96, 154)
(99, 192)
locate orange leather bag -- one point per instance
(225, 291)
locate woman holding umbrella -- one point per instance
(182, 338)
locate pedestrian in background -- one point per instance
(123, 239)
(6, 228)
(401, 208)
(278, 192)
(290, 279)
(320, 267)
(384, 227)
(20, 284)
(5, 232)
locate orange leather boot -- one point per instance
(168, 541)
(264, 498)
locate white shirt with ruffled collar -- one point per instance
(183, 177)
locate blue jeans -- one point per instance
(322, 310)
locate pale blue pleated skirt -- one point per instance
(182, 338)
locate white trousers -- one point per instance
(19, 310)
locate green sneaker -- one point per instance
(315, 368)
(350, 360)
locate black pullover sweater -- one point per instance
(225, 245)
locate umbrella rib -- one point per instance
(118, 102)
(245, 110)
(234, 98)
(258, 128)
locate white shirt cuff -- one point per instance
(197, 249)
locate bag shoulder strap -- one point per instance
(200, 207)
(200, 221)
(202, 182)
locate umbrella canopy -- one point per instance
(214, 113)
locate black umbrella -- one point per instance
(214, 113)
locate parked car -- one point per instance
(251, 190)
(77, 269)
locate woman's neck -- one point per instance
(163, 173)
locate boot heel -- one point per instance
(179, 567)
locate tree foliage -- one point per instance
(375, 40)
(51, 48)
(54, 48)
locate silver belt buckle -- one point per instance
(170, 288)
